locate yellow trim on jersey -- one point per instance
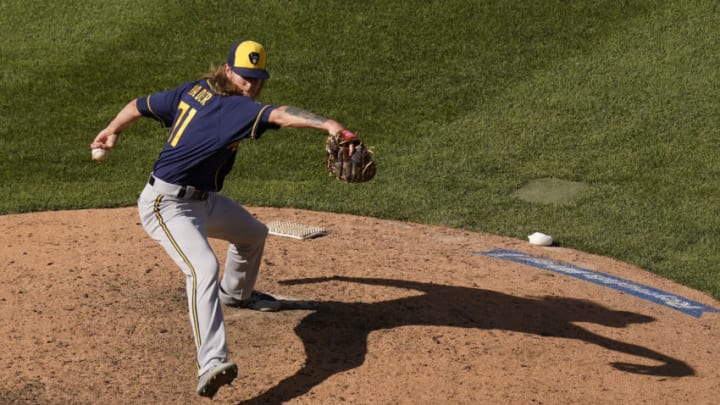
(257, 121)
(196, 324)
(153, 112)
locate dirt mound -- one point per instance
(383, 312)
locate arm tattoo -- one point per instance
(306, 115)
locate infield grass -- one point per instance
(464, 102)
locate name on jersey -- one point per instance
(200, 95)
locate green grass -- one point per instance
(464, 102)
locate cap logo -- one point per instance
(254, 58)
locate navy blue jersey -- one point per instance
(205, 129)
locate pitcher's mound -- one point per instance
(381, 312)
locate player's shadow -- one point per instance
(335, 334)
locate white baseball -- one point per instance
(99, 154)
(541, 239)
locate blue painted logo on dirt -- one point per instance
(673, 301)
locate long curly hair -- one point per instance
(220, 82)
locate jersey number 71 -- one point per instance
(184, 117)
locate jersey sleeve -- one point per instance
(262, 122)
(161, 106)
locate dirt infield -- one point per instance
(385, 313)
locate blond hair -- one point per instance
(219, 81)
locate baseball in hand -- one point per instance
(99, 155)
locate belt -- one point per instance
(184, 192)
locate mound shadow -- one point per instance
(335, 334)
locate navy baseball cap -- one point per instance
(248, 59)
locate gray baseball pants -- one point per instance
(182, 227)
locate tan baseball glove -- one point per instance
(348, 159)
